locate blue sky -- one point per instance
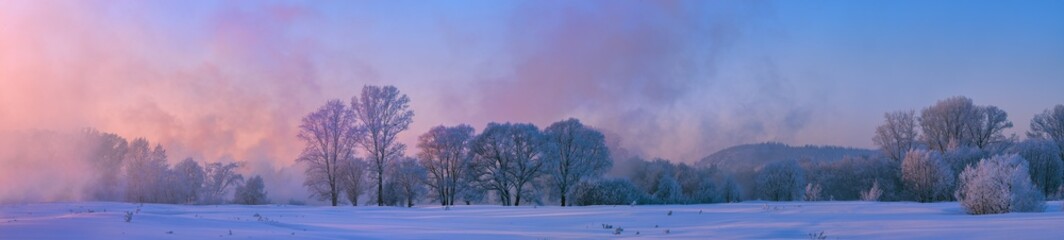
(672, 79)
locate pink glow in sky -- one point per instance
(229, 80)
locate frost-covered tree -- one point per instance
(781, 181)
(252, 192)
(507, 158)
(927, 177)
(578, 153)
(353, 181)
(956, 121)
(107, 153)
(1044, 163)
(897, 135)
(445, 155)
(731, 191)
(606, 192)
(220, 177)
(961, 157)
(147, 172)
(999, 185)
(188, 177)
(330, 135)
(382, 112)
(669, 190)
(1049, 125)
(408, 177)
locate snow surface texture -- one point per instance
(750, 220)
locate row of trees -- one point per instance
(933, 156)
(137, 172)
(513, 162)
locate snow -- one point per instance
(749, 220)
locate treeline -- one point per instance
(939, 155)
(136, 171)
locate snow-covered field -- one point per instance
(757, 220)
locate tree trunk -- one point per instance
(380, 187)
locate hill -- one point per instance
(751, 156)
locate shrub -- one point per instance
(999, 184)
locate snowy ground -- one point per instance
(837, 220)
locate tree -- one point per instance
(383, 112)
(1050, 125)
(579, 153)
(956, 122)
(108, 152)
(353, 179)
(606, 192)
(1045, 165)
(330, 135)
(408, 177)
(147, 172)
(926, 175)
(897, 135)
(781, 181)
(507, 157)
(669, 190)
(999, 185)
(731, 192)
(188, 181)
(989, 127)
(445, 155)
(252, 192)
(219, 178)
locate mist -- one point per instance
(229, 81)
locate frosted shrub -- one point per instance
(872, 194)
(999, 184)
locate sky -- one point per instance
(230, 80)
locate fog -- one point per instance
(229, 81)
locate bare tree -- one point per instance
(1049, 125)
(897, 135)
(330, 135)
(445, 155)
(956, 122)
(187, 181)
(408, 178)
(147, 172)
(353, 179)
(507, 157)
(382, 112)
(578, 153)
(927, 176)
(107, 155)
(219, 178)
(253, 192)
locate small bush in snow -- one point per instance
(618, 231)
(999, 184)
(872, 194)
(129, 216)
(818, 236)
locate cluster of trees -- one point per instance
(511, 163)
(956, 150)
(134, 171)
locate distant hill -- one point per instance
(751, 156)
